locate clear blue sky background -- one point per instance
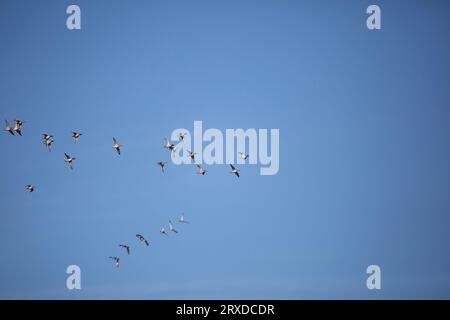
(364, 153)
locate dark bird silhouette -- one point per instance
(162, 164)
(116, 261)
(201, 170)
(169, 145)
(234, 171)
(18, 126)
(116, 145)
(191, 155)
(142, 239)
(76, 136)
(126, 247)
(69, 160)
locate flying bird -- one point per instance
(163, 231)
(191, 155)
(47, 140)
(19, 122)
(243, 156)
(116, 261)
(201, 170)
(29, 187)
(8, 127)
(76, 136)
(181, 135)
(69, 160)
(17, 126)
(168, 145)
(116, 145)
(141, 238)
(162, 164)
(234, 171)
(171, 228)
(126, 247)
(48, 143)
(182, 219)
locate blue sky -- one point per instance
(364, 149)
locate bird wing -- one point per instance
(232, 167)
(67, 156)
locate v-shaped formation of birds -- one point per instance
(47, 140)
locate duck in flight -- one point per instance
(48, 143)
(163, 231)
(201, 170)
(8, 127)
(162, 164)
(126, 247)
(69, 160)
(168, 145)
(47, 140)
(243, 156)
(18, 126)
(29, 187)
(76, 136)
(234, 171)
(171, 228)
(116, 145)
(182, 219)
(116, 261)
(181, 136)
(191, 155)
(142, 239)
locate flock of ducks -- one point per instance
(47, 140)
(146, 242)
